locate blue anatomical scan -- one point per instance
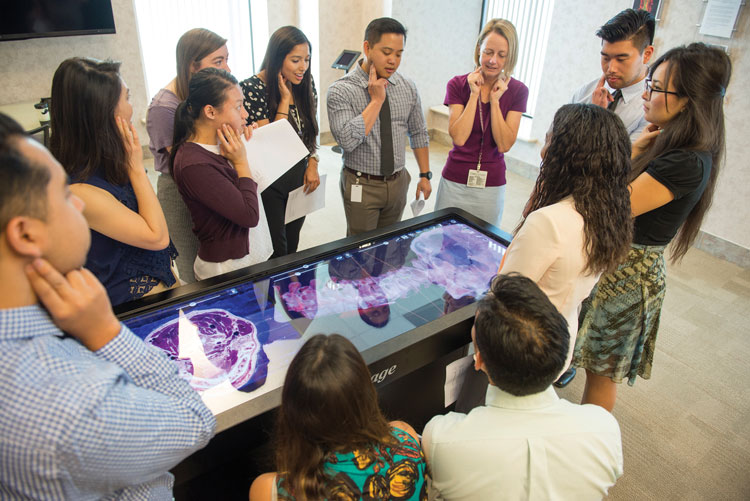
(234, 341)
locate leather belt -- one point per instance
(374, 177)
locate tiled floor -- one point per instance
(685, 431)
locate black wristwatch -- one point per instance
(427, 174)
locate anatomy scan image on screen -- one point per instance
(236, 343)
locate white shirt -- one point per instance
(533, 447)
(549, 249)
(629, 109)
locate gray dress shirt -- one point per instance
(348, 97)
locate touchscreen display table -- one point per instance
(234, 340)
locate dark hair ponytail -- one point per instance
(207, 87)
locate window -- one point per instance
(161, 23)
(532, 21)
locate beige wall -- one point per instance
(729, 217)
(341, 27)
(28, 65)
(440, 43)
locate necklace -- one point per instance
(295, 115)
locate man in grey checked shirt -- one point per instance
(371, 110)
(96, 414)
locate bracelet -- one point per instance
(280, 113)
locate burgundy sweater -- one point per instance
(223, 206)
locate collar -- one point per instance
(363, 78)
(213, 148)
(499, 398)
(27, 322)
(633, 91)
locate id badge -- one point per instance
(477, 179)
(356, 193)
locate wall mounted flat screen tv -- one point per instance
(22, 19)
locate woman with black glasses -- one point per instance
(676, 162)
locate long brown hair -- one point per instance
(85, 138)
(281, 43)
(588, 157)
(328, 404)
(193, 46)
(700, 73)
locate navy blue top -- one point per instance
(127, 272)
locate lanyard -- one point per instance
(483, 128)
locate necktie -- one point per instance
(386, 139)
(617, 96)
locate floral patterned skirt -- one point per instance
(619, 320)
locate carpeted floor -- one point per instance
(686, 432)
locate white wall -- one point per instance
(572, 59)
(440, 43)
(28, 65)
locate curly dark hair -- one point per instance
(700, 73)
(588, 157)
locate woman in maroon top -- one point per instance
(209, 165)
(485, 113)
(197, 49)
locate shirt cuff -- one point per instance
(419, 141)
(352, 134)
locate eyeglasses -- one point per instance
(651, 90)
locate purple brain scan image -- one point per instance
(458, 258)
(231, 341)
(213, 346)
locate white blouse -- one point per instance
(549, 249)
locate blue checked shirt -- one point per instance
(346, 99)
(76, 424)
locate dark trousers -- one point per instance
(284, 237)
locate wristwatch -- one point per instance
(314, 156)
(427, 174)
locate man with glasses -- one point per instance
(627, 48)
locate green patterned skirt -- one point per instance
(619, 320)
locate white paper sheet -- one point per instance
(719, 18)
(454, 377)
(301, 204)
(417, 206)
(274, 149)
